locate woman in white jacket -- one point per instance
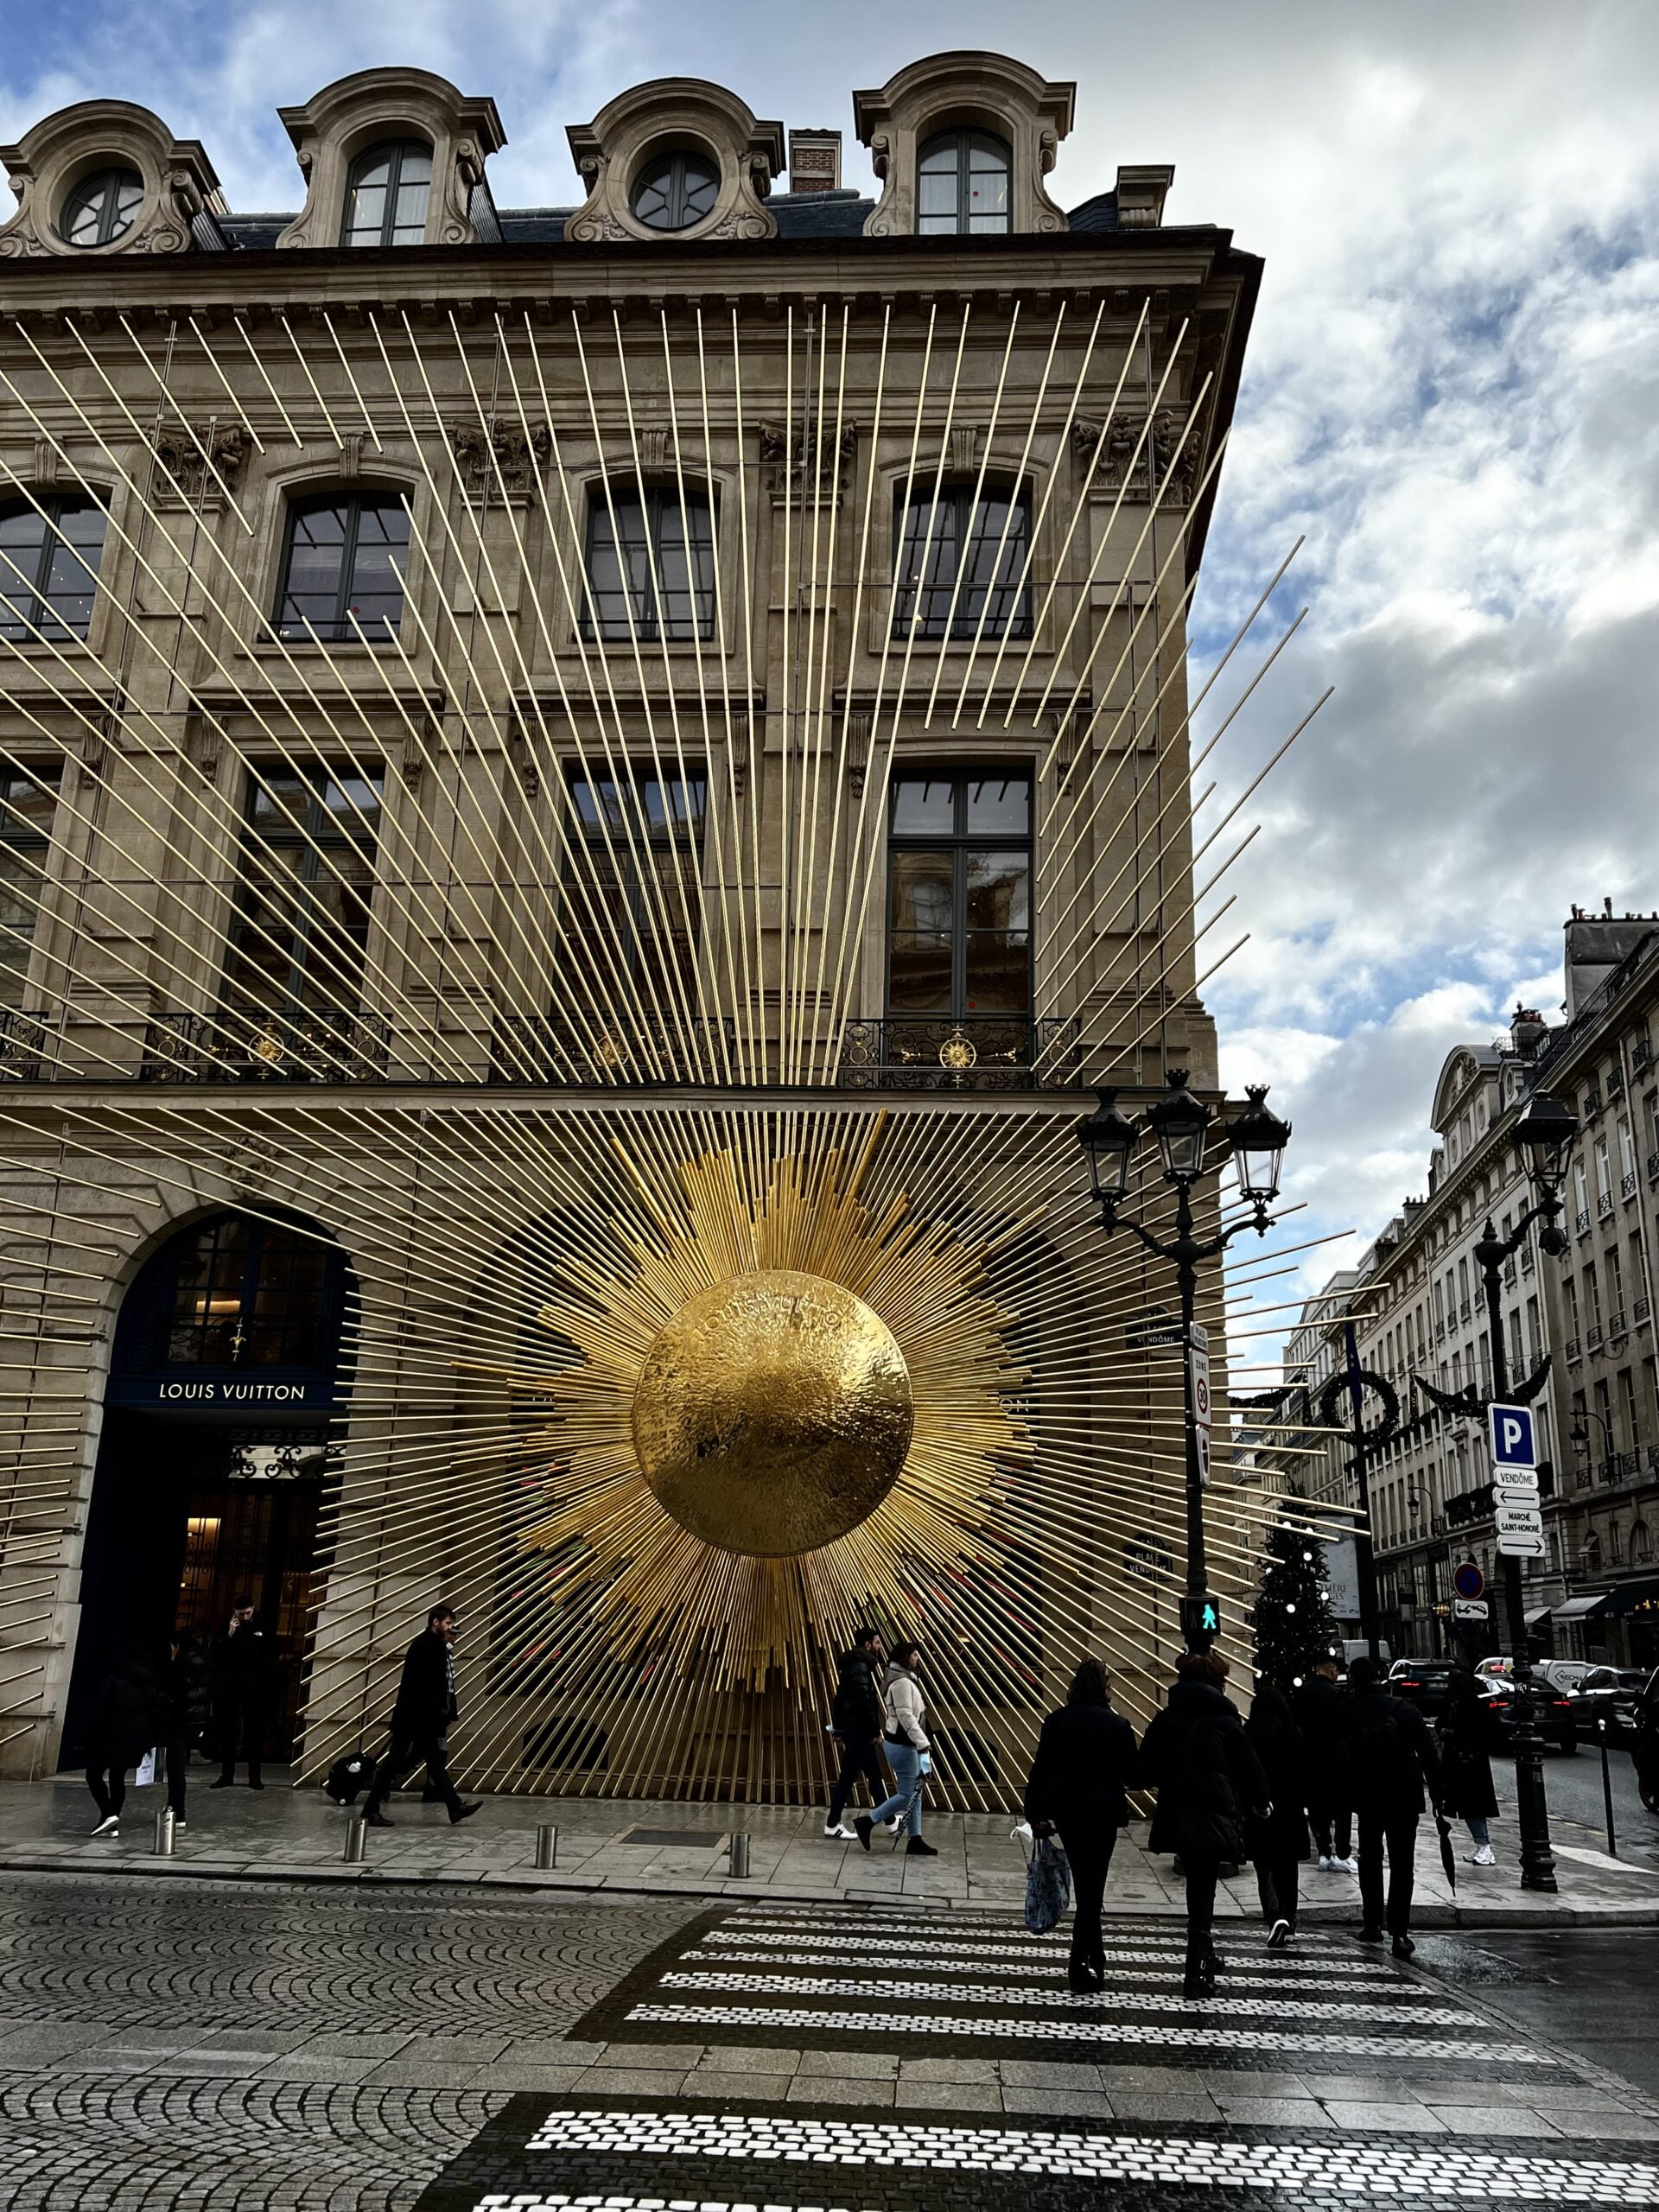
(907, 1748)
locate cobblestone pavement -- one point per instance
(218, 2045)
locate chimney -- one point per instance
(1528, 1030)
(815, 161)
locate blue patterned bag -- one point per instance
(1048, 1887)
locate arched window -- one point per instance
(962, 183)
(960, 567)
(49, 557)
(675, 190)
(343, 567)
(102, 208)
(387, 194)
(651, 564)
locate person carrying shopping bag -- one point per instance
(906, 1737)
(1085, 1764)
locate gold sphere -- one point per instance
(772, 1413)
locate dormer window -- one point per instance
(103, 207)
(674, 191)
(962, 184)
(386, 198)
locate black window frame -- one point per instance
(676, 160)
(960, 842)
(959, 619)
(113, 175)
(614, 848)
(605, 505)
(322, 832)
(24, 838)
(298, 1331)
(339, 630)
(394, 149)
(35, 610)
(964, 138)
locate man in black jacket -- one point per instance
(420, 1721)
(1392, 1756)
(1319, 1708)
(857, 1714)
(244, 1667)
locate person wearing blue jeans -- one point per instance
(908, 1751)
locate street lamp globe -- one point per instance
(1258, 1139)
(1109, 1137)
(1178, 1121)
(1545, 1133)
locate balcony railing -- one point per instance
(1615, 1086)
(553, 1049)
(1528, 1262)
(1594, 1337)
(262, 1046)
(1653, 1168)
(1643, 1310)
(1581, 1221)
(980, 1052)
(1617, 1324)
(1509, 1273)
(1574, 1347)
(22, 1045)
(1641, 1053)
(1592, 1102)
(1604, 1205)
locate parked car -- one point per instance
(1500, 1663)
(1607, 1698)
(1554, 1714)
(1563, 1675)
(1422, 1682)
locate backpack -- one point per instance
(1048, 1887)
(348, 1776)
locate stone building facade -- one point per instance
(530, 738)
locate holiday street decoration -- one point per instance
(1291, 1620)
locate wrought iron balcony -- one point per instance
(243, 1045)
(979, 1052)
(1627, 1185)
(1642, 1310)
(1604, 1205)
(1641, 1053)
(1582, 1222)
(559, 1049)
(1593, 1336)
(1617, 1324)
(1615, 1086)
(23, 1042)
(1574, 1347)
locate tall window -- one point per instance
(962, 183)
(651, 564)
(961, 566)
(644, 851)
(248, 1294)
(27, 804)
(48, 566)
(343, 567)
(386, 197)
(301, 931)
(959, 895)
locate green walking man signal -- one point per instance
(1200, 1621)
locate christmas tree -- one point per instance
(1292, 1617)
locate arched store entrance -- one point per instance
(223, 1382)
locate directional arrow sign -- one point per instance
(1520, 1520)
(1516, 1490)
(1520, 1547)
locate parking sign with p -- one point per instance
(1513, 1441)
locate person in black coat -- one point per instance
(1318, 1709)
(1084, 1763)
(1197, 1757)
(420, 1721)
(123, 1725)
(857, 1715)
(1279, 1843)
(1392, 1756)
(1467, 1790)
(187, 1710)
(245, 1665)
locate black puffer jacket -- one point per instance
(1392, 1753)
(1197, 1756)
(857, 1711)
(1277, 1742)
(1084, 1763)
(125, 1720)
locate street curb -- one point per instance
(1467, 1919)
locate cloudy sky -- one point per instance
(1453, 391)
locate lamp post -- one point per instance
(1545, 1133)
(1181, 1123)
(1579, 1436)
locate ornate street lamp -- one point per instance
(1181, 1123)
(1545, 1132)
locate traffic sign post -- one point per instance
(1469, 1609)
(1198, 1355)
(1469, 1581)
(1513, 1437)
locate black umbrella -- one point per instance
(1447, 1861)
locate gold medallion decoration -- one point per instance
(772, 1412)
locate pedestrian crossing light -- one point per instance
(1200, 1621)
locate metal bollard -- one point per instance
(547, 1846)
(357, 1835)
(1607, 1800)
(739, 1856)
(166, 1829)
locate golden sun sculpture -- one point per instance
(779, 1396)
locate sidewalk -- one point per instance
(649, 1847)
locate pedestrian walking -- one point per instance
(1278, 1842)
(1466, 1791)
(242, 1670)
(909, 1753)
(1085, 1764)
(858, 1717)
(1318, 1708)
(1196, 1754)
(187, 1710)
(1393, 1760)
(421, 1721)
(123, 1725)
